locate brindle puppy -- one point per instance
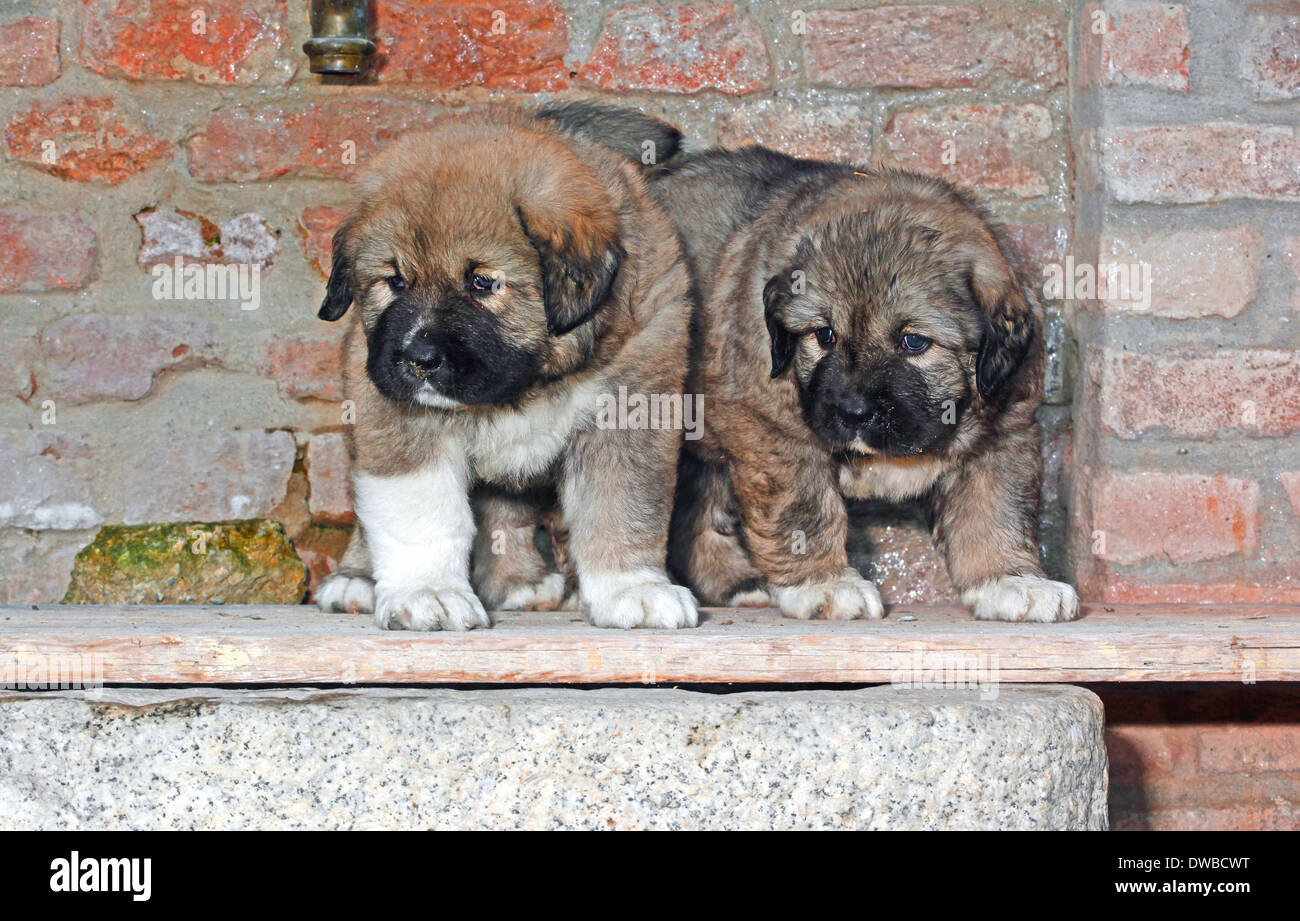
(858, 335)
(507, 273)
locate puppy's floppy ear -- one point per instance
(338, 290)
(1008, 322)
(570, 222)
(775, 293)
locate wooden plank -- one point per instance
(914, 644)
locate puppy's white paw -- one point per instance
(653, 604)
(1023, 598)
(431, 608)
(848, 597)
(546, 595)
(348, 594)
(645, 599)
(750, 598)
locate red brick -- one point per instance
(167, 233)
(210, 476)
(1141, 751)
(1194, 273)
(36, 566)
(43, 252)
(453, 43)
(86, 137)
(320, 550)
(93, 357)
(1259, 817)
(1202, 163)
(1293, 257)
(51, 481)
(330, 498)
(990, 146)
(1145, 44)
(1216, 756)
(29, 51)
(304, 367)
(1247, 749)
(243, 144)
(292, 510)
(317, 226)
(1270, 60)
(681, 49)
(825, 132)
(1291, 483)
(1278, 585)
(1254, 391)
(235, 42)
(319, 565)
(16, 377)
(1032, 245)
(925, 46)
(1187, 518)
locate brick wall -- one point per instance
(1187, 409)
(1218, 757)
(1187, 413)
(136, 131)
(139, 130)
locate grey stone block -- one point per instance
(1031, 757)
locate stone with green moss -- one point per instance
(225, 562)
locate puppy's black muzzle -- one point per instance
(425, 360)
(886, 414)
(884, 426)
(853, 410)
(423, 354)
(456, 350)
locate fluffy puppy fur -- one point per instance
(857, 335)
(507, 270)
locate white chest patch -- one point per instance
(514, 445)
(893, 478)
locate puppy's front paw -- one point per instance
(346, 594)
(618, 601)
(756, 597)
(1023, 598)
(847, 597)
(440, 608)
(546, 595)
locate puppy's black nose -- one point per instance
(423, 355)
(854, 410)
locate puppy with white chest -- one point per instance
(859, 335)
(507, 272)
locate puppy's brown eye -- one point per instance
(397, 283)
(825, 337)
(480, 282)
(914, 343)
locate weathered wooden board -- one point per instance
(919, 645)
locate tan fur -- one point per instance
(883, 253)
(507, 189)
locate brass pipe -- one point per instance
(340, 42)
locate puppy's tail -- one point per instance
(638, 137)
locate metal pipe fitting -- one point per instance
(340, 41)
